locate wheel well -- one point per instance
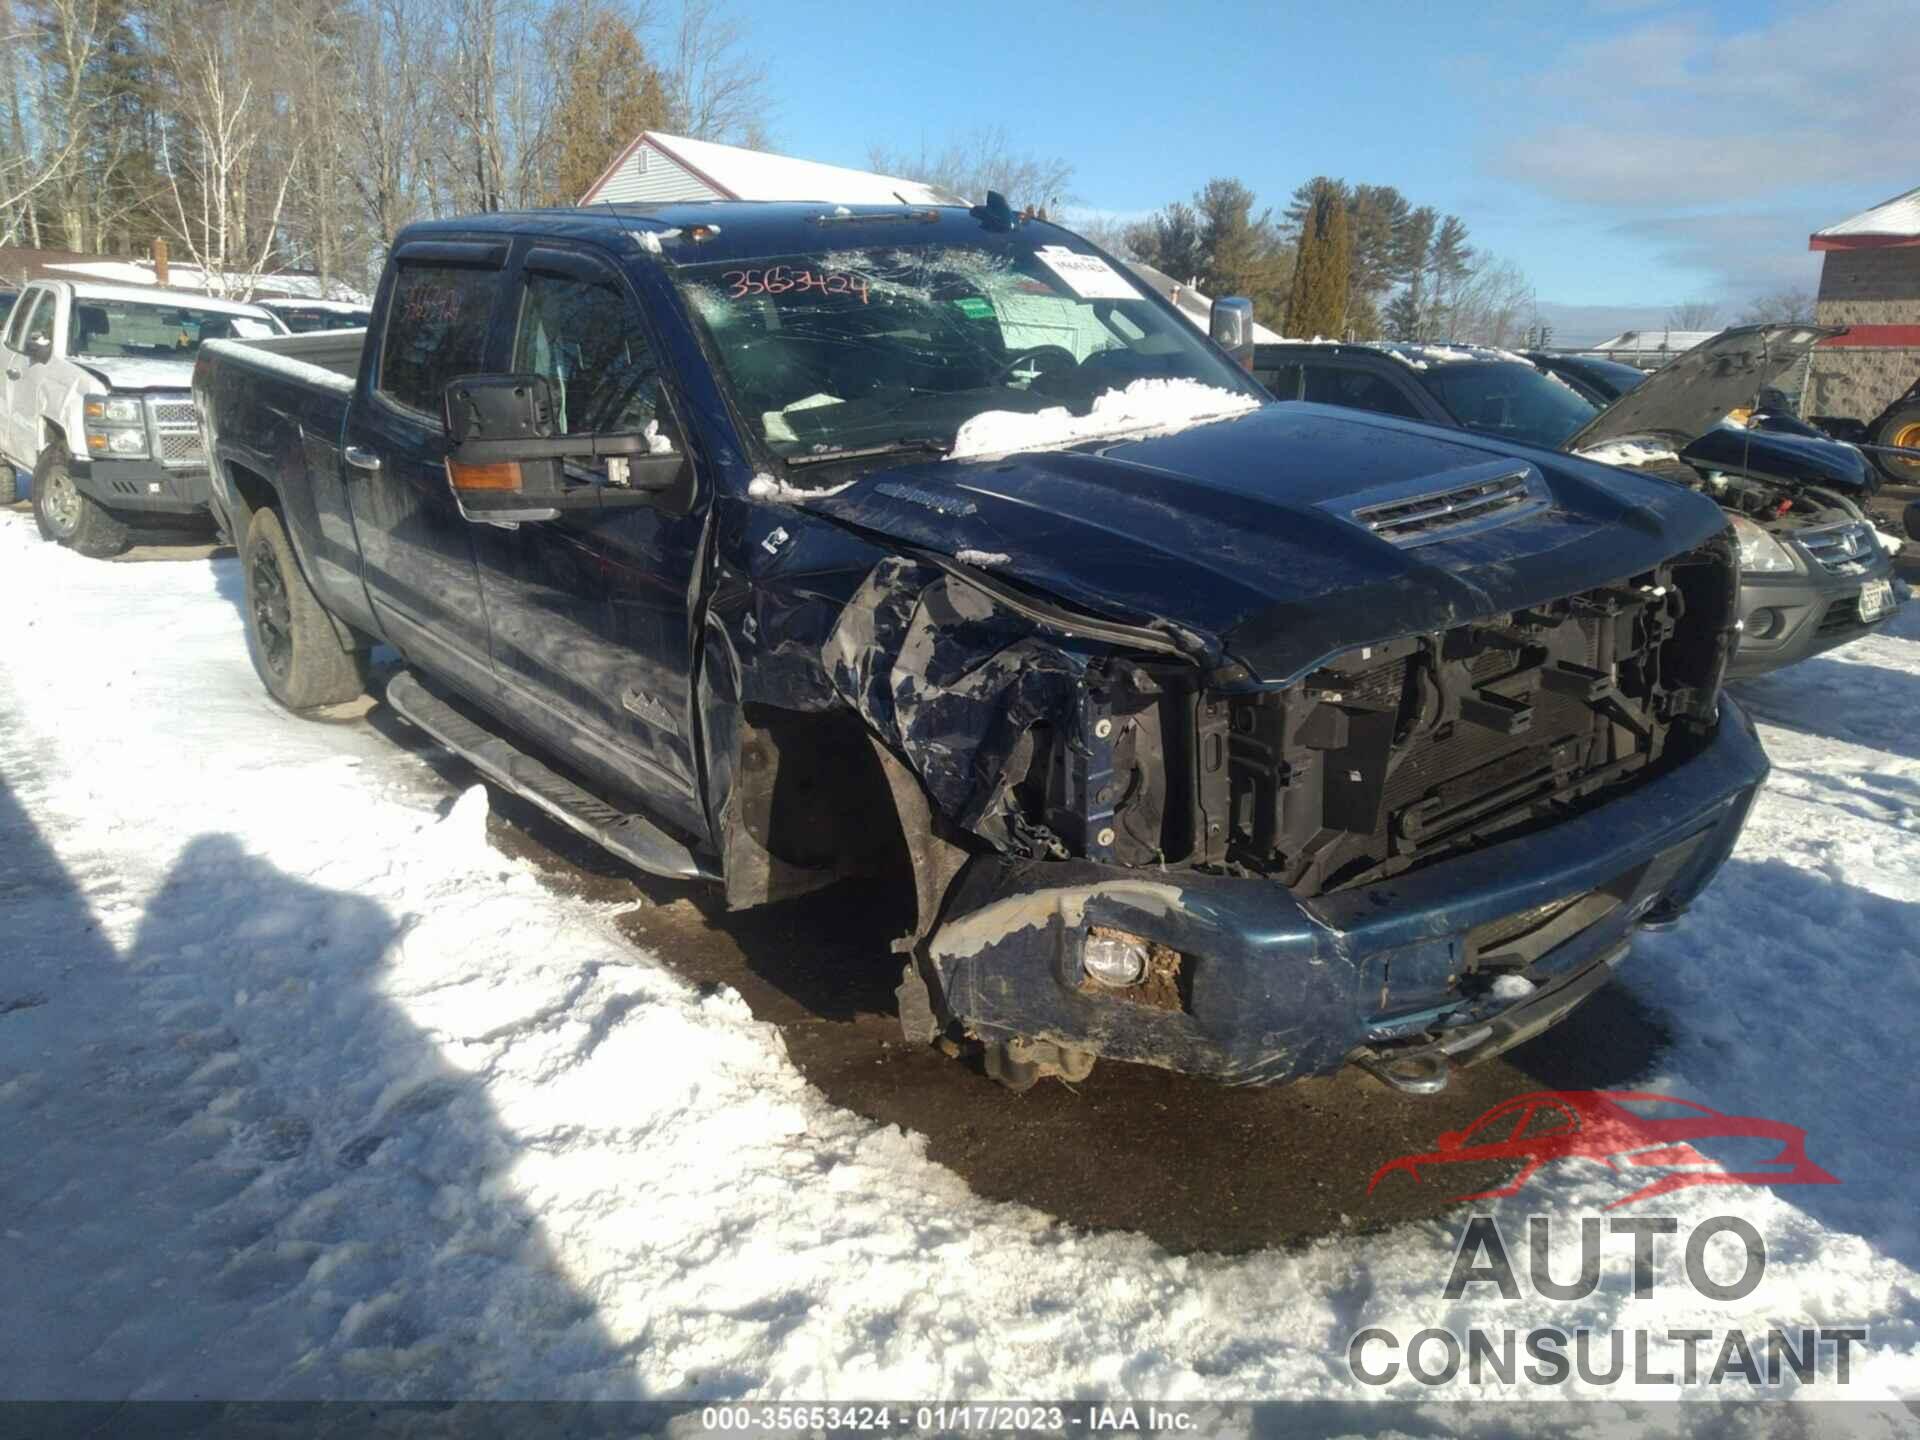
(250, 492)
(815, 800)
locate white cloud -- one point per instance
(1725, 148)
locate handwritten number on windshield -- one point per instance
(779, 279)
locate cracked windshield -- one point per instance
(942, 348)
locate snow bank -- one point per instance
(324, 1096)
(1144, 407)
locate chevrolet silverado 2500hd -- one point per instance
(94, 402)
(777, 544)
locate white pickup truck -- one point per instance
(95, 400)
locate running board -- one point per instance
(633, 838)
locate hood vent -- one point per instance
(1446, 506)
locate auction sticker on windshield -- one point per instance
(1090, 277)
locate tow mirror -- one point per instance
(39, 346)
(1231, 325)
(507, 465)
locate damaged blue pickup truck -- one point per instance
(776, 545)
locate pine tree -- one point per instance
(1376, 214)
(1317, 305)
(1170, 242)
(1407, 316)
(1449, 263)
(1244, 254)
(611, 94)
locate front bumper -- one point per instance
(1270, 988)
(143, 486)
(1803, 614)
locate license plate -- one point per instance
(1876, 599)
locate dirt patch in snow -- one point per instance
(1198, 1167)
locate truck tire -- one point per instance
(294, 647)
(67, 517)
(1901, 428)
(9, 484)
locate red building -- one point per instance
(1870, 282)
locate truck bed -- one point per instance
(276, 407)
(322, 357)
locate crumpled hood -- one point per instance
(139, 374)
(1688, 397)
(1238, 531)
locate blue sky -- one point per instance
(1623, 153)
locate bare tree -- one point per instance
(980, 161)
(1493, 304)
(58, 41)
(1694, 315)
(716, 88)
(391, 122)
(1789, 307)
(222, 116)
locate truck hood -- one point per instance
(1240, 532)
(139, 374)
(1685, 399)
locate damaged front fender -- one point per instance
(952, 681)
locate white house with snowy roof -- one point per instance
(1869, 282)
(657, 169)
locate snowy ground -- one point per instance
(307, 1091)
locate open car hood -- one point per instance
(1688, 397)
(1242, 535)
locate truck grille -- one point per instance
(1843, 549)
(175, 431)
(1482, 495)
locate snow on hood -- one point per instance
(1158, 407)
(139, 374)
(1628, 452)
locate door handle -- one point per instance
(360, 459)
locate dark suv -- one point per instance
(1814, 571)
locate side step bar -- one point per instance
(635, 839)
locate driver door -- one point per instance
(33, 314)
(590, 612)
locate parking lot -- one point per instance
(406, 1081)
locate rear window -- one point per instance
(436, 331)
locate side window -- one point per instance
(586, 339)
(39, 324)
(1282, 381)
(1358, 390)
(436, 331)
(17, 321)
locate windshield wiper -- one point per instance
(924, 446)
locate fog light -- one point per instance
(1114, 959)
(1762, 623)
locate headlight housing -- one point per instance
(1760, 553)
(115, 410)
(116, 427)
